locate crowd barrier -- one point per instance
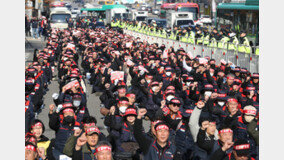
(246, 60)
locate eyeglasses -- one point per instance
(176, 105)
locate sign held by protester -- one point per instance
(117, 75)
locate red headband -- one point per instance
(253, 112)
(93, 129)
(250, 88)
(225, 131)
(162, 127)
(189, 111)
(232, 100)
(68, 110)
(121, 90)
(103, 148)
(255, 75)
(242, 146)
(208, 86)
(89, 124)
(237, 80)
(123, 102)
(155, 83)
(230, 78)
(130, 111)
(67, 105)
(37, 124)
(213, 122)
(171, 87)
(130, 95)
(175, 101)
(222, 95)
(30, 147)
(149, 76)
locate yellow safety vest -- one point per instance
(184, 38)
(191, 38)
(233, 45)
(257, 51)
(245, 47)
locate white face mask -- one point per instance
(122, 109)
(211, 74)
(168, 73)
(207, 93)
(188, 83)
(221, 103)
(170, 97)
(65, 58)
(154, 64)
(248, 118)
(76, 103)
(148, 81)
(154, 88)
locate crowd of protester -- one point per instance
(198, 109)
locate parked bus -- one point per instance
(59, 17)
(165, 7)
(180, 7)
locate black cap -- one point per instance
(242, 32)
(242, 147)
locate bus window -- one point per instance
(189, 9)
(60, 18)
(101, 2)
(109, 2)
(185, 22)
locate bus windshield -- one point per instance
(60, 18)
(140, 18)
(189, 9)
(117, 16)
(184, 22)
(125, 15)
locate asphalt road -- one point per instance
(93, 102)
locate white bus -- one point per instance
(59, 17)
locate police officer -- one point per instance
(174, 33)
(222, 39)
(191, 35)
(213, 38)
(178, 34)
(199, 36)
(206, 36)
(168, 33)
(183, 35)
(233, 42)
(244, 43)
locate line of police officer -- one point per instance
(225, 38)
